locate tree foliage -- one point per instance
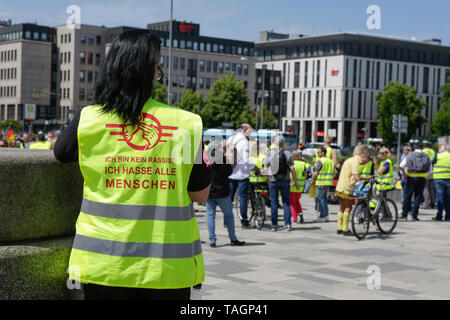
(15, 125)
(159, 92)
(191, 101)
(441, 123)
(399, 98)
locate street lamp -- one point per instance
(169, 78)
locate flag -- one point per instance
(9, 134)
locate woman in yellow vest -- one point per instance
(323, 179)
(296, 193)
(385, 170)
(136, 235)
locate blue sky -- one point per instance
(244, 19)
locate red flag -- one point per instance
(9, 133)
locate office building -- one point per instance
(330, 82)
(28, 74)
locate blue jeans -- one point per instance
(284, 186)
(323, 203)
(227, 209)
(443, 197)
(241, 186)
(413, 186)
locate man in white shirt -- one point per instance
(240, 178)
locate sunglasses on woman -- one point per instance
(160, 77)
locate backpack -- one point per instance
(418, 161)
(283, 167)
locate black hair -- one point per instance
(41, 137)
(125, 81)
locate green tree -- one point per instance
(191, 101)
(399, 98)
(159, 92)
(15, 125)
(269, 121)
(228, 102)
(441, 123)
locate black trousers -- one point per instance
(97, 292)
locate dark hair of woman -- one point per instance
(125, 81)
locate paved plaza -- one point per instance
(313, 262)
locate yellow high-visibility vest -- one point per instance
(137, 226)
(387, 177)
(326, 174)
(441, 170)
(299, 167)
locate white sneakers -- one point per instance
(324, 219)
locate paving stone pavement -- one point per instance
(313, 262)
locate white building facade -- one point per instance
(330, 83)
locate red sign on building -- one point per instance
(334, 73)
(320, 133)
(185, 28)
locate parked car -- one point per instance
(310, 149)
(347, 150)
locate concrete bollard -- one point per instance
(40, 200)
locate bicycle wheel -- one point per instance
(260, 215)
(360, 217)
(387, 216)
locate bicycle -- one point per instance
(384, 216)
(258, 195)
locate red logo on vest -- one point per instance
(146, 135)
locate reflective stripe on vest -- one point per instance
(137, 226)
(138, 249)
(326, 174)
(387, 177)
(258, 161)
(136, 212)
(299, 167)
(441, 170)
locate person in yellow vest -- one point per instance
(385, 170)
(40, 143)
(296, 193)
(330, 154)
(323, 179)
(143, 166)
(441, 176)
(347, 180)
(365, 171)
(428, 193)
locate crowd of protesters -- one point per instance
(27, 140)
(288, 175)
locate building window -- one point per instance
(82, 94)
(426, 76)
(82, 76)
(239, 69)
(82, 38)
(367, 74)
(202, 66)
(90, 58)
(233, 68)
(215, 63)
(208, 66)
(90, 77)
(318, 74)
(201, 83)
(90, 39)
(182, 63)
(195, 47)
(181, 81)
(202, 46)
(245, 69)
(208, 47)
(297, 75)
(44, 36)
(98, 40)
(215, 47)
(175, 63)
(355, 71)
(208, 83)
(182, 44)
(305, 84)
(220, 67)
(227, 67)
(378, 75)
(175, 43)
(413, 75)
(82, 57)
(98, 58)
